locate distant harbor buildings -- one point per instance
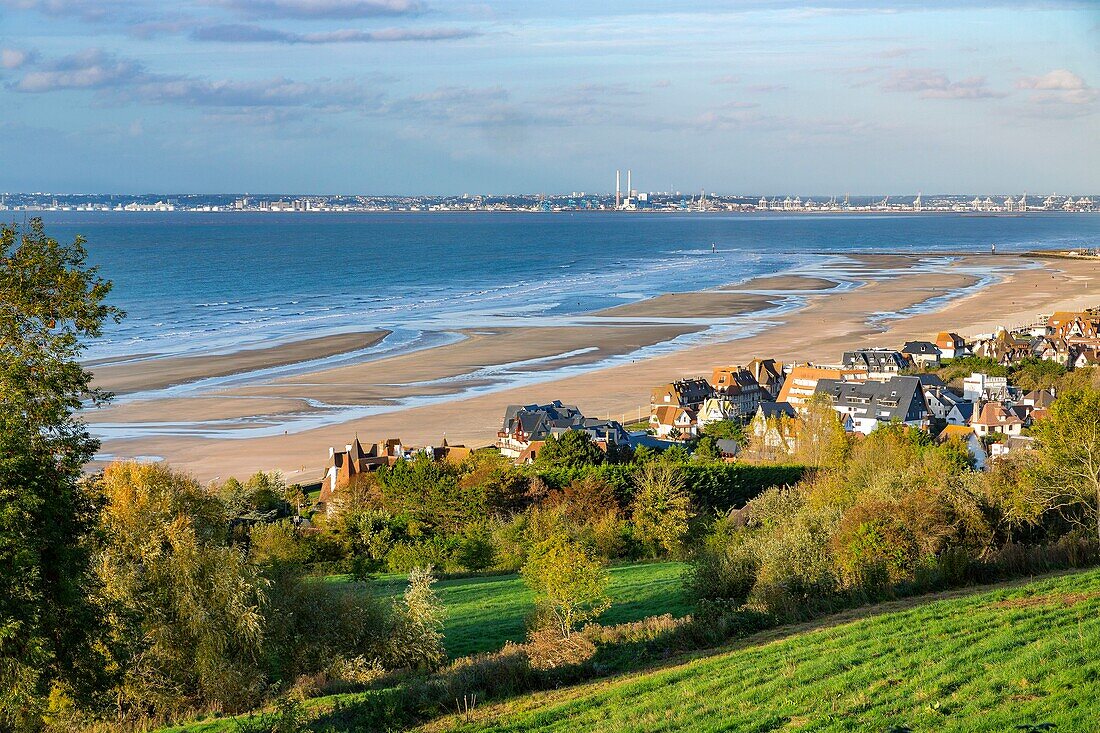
(629, 199)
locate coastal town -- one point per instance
(622, 199)
(765, 403)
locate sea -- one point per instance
(195, 283)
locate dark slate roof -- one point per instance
(776, 409)
(965, 408)
(728, 447)
(875, 360)
(930, 380)
(920, 347)
(898, 398)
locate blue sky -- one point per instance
(431, 96)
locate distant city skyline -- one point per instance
(433, 97)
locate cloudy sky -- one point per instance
(450, 96)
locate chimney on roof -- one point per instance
(331, 451)
(348, 448)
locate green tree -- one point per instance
(706, 449)
(662, 508)
(51, 303)
(725, 430)
(185, 622)
(572, 449)
(415, 635)
(1067, 474)
(821, 439)
(569, 582)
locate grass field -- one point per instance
(485, 612)
(1021, 657)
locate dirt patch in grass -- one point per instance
(1062, 599)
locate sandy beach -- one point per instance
(828, 323)
(123, 377)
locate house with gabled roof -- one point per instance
(1074, 324)
(950, 344)
(973, 443)
(768, 374)
(736, 388)
(774, 428)
(674, 423)
(996, 417)
(688, 393)
(868, 404)
(345, 466)
(1004, 347)
(921, 353)
(879, 363)
(802, 380)
(527, 424)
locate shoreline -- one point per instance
(823, 326)
(149, 372)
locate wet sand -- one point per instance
(704, 304)
(158, 373)
(830, 323)
(785, 282)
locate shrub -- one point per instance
(661, 508)
(569, 583)
(415, 633)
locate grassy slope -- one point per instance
(1019, 655)
(485, 612)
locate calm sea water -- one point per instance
(195, 282)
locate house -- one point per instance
(737, 386)
(718, 408)
(1003, 347)
(688, 393)
(945, 404)
(1014, 444)
(879, 363)
(674, 423)
(802, 381)
(768, 373)
(995, 417)
(1040, 399)
(774, 428)
(1074, 324)
(346, 465)
(1051, 348)
(866, 404)
(527, 424)
(951, 345)
(979, 387)
(921, 353)
(973, 443)
(960, 413)
(1085, 356)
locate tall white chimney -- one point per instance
(629, 188)
(617, 188)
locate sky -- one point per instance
(527, 96)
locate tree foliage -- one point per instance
(185, 621)
(1067, 476)
(662, 508)
(51, 302)
(569, 582)
(571, 449)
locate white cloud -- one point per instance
(13, 58)
(931, 84)
(1059, 87)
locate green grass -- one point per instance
(1021, 655)
(484, 612)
